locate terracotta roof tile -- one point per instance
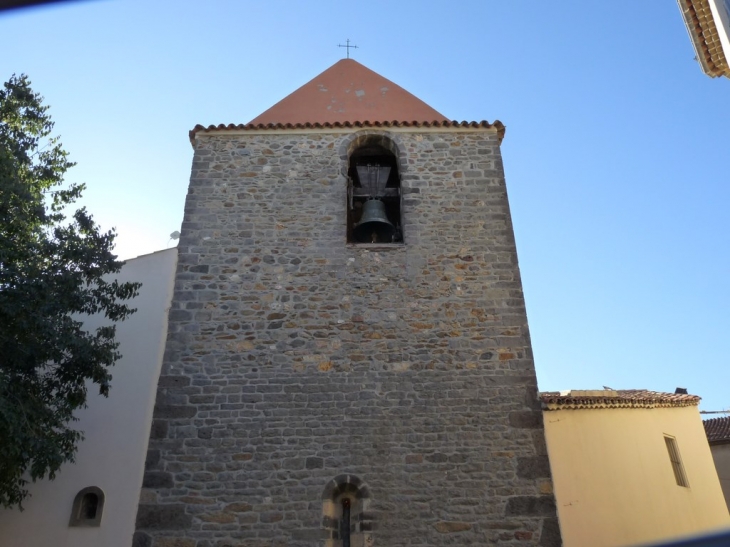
(499, 126)
(703, 32)
(348, 95)
(347, 92)
(717, 429)
(610, 398)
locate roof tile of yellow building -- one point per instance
(614, 398)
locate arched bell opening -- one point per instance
(345, 504)
(374, 191)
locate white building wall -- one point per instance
(116, 429)
(721, 15)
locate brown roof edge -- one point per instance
(718, 442)
(622, 398)
(702, 32)
(717, 430)
(499, 126)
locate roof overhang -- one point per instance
(708, 25)
(347, 127)
(609, 398)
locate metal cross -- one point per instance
(348, 46)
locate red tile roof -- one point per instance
(499, 126)
(614, 398)
(717, 429)
(348, 95)
(348, 92)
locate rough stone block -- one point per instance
(173, 381)
(157, 479)
(159, 429)
(175, 542)
(550, 535)
(174, 411)
(271, 516)
(530, 506)
(141, 539)
(152, 460)
(311, 534)
(534, 467)
(162, 517)
(315, 463)
(526, 419)
(444, 527)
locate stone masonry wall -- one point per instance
(297, 364)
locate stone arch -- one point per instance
(390, 141)
(347, 491)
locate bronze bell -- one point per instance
(374, 226)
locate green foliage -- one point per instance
(51, 270)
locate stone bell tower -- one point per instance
(348, 360)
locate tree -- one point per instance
(53, 271)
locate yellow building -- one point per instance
(630, 467)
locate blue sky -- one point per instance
(616, 152)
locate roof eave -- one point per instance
(631, 398)
(711, 66)
(716, 442)
(594, 405)
(496, 126)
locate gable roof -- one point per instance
(614, 398)
(348, 92)
(702, 28)
(717, 429)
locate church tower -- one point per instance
(348, 361)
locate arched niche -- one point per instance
(345, 513)
(88, 507)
